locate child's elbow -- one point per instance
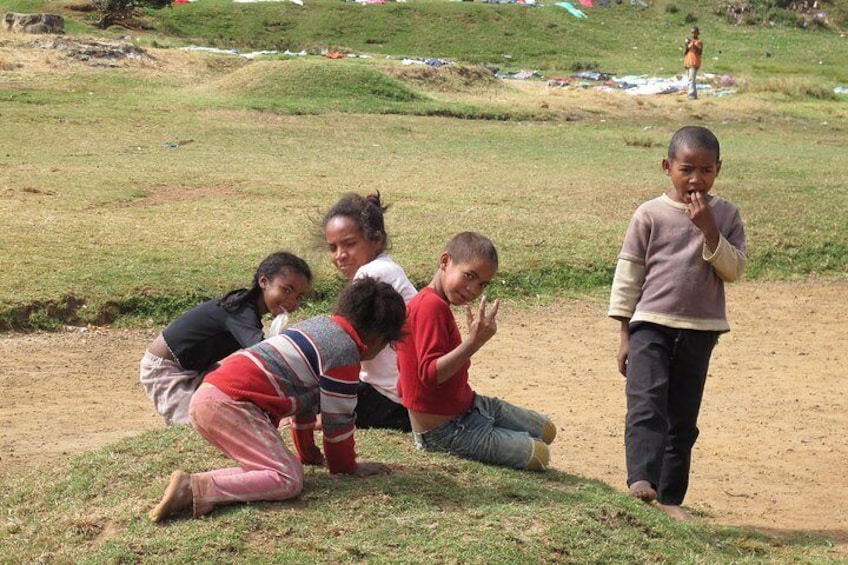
(730, 277)
(428, 374)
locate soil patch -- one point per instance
(773, 442)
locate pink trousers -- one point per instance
(243, 431)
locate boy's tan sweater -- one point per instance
(667, 275)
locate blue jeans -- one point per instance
(491, 431)
(692, 77)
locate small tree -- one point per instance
(113, 11)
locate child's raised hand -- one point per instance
(481, 329)
(701, 214)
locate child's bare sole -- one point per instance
(178, 497)
(676, 512)
(643, 491)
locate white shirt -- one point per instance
(382, 371)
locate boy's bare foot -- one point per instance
(643, 491)
(675, 511)
(178, 497)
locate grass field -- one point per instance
(433, 509)
(132, 189)
(132, 192)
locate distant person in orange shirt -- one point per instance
(692, 60)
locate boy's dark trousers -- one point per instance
(666, 372)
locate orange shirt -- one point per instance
(692, 58)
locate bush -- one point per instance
(800, 13)
(578, 66)
(736, 11)
(115, 11)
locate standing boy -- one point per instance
(692, 60)
(433, 359)
(668, 294)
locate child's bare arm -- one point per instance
(480, 330)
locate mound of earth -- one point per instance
(447, 78)
(772, 449)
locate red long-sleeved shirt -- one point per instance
(430, 333)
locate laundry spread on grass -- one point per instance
(248, 55)
(635, 85)
(576, 12)
(569, 6)
(710, 85)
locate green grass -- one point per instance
(108, 221)
(433, 508)
(620, 39)
(130, 194)
(148, 229)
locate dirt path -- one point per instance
(773, 451)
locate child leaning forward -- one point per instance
(433, 359)
(174, 364)
(239, 406)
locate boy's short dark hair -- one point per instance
(374, 308)
(695, 137)
(468, 245)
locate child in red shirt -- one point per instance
(433, 359)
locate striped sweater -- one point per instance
(311, 367)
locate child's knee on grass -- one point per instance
(540, 456)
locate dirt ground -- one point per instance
(773, 452)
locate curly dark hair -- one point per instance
(373, 308)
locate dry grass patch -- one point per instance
(7, 64)
(448, 78)
(794, 88)
(36, 59)
(159, 195)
